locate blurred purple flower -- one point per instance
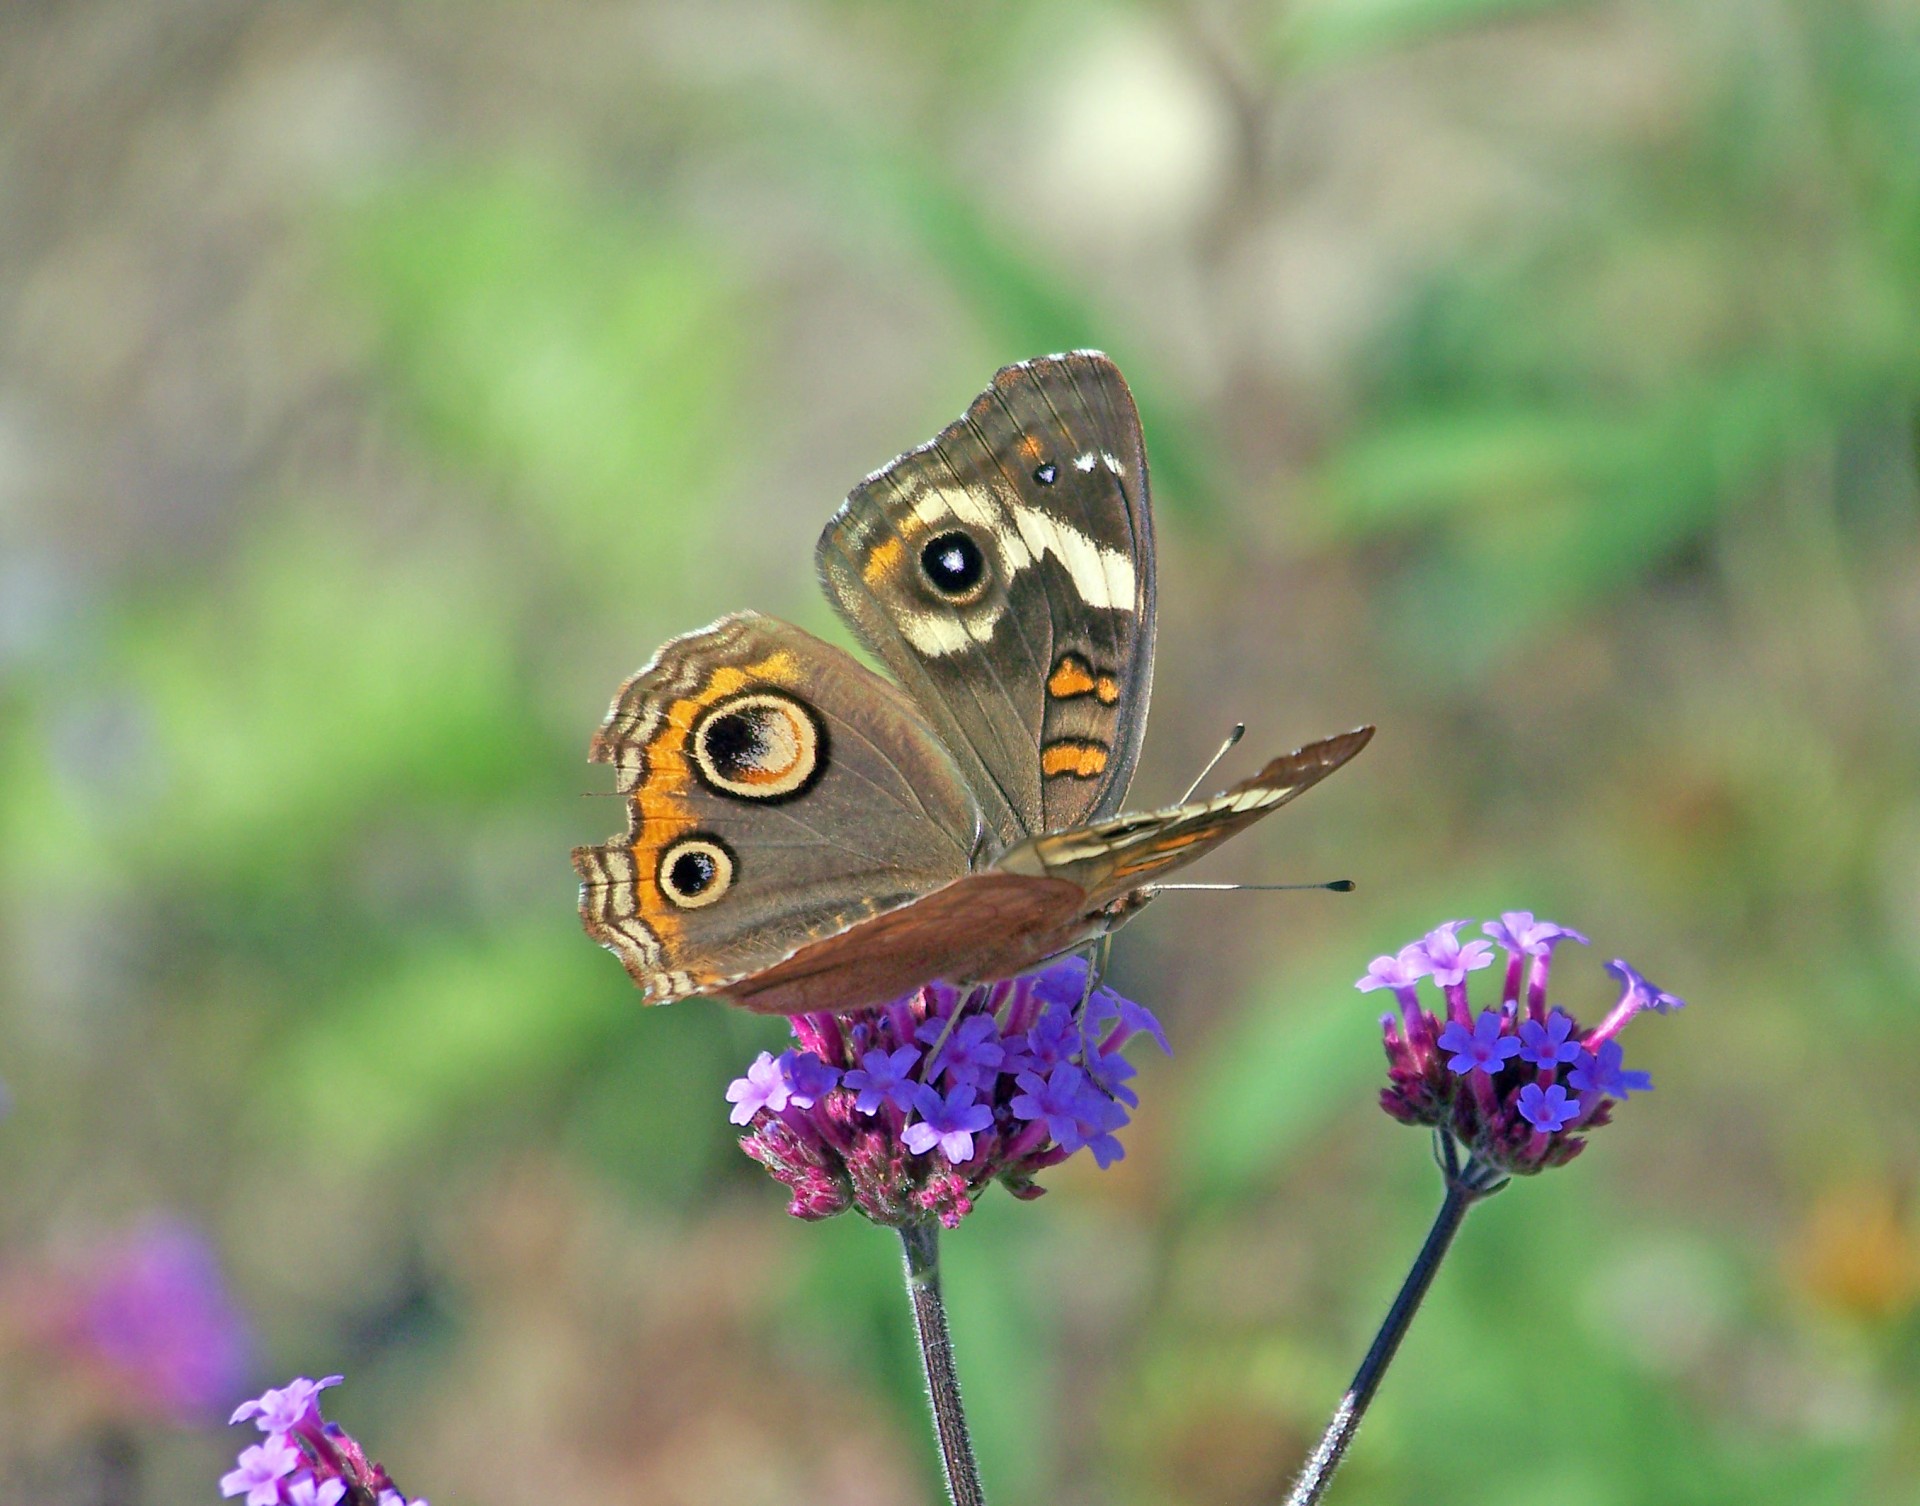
(304, 1490)
(155, 1312)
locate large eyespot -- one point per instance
(954, 566)
(760, 745)
(695, 871)
(1046, 474)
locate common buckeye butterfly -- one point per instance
(807, 834)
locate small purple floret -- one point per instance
(285, 1408)
(808, 1079)
(304, 1490)
(883, 1077)
(1641, 991)
(950, 1123)
(1448, 958)
(1481, 1049)
(1547, 1045)
(1602, 1072)
(1547, 1109)
(764, 1087)
(1519, 933)
(972, 1053)
(1397, 970)
(260, 1470)
(1056, 1099)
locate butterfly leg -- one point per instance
(1098, 955)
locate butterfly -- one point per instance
(806, 834)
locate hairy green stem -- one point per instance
(921, 1243)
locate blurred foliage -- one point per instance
(378, 386)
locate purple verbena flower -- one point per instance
(764, 1087)
(950, 1122)
(1452, 1078)
(1481, 1049)
(286, 1408)
(1448, 958)
(808, 1078)
(883, 1077)
(260, 1470)
(1601, 1072)
(309, 1461)
(972, 1052)
(1015, 1077)
(1547, 1108)
(304, 1490)
(1399, 971)
(1546, 1045)
(1055, 1037)
(1518, 932)
(1054, 1099)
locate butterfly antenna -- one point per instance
(1335, 886)
(1239, 731)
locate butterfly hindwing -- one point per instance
(777, 791)
(1004, 573)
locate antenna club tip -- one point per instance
(1342, 886)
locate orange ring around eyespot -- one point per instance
(761, 745)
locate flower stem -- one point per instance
(922, 1245)
(1466, 1185)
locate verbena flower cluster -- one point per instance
(908, 1112)
(304, 1459)
(1520, 1085)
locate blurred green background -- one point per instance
(379, 384)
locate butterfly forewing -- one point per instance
(1111, 858)
(1004, 573)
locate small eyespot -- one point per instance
(695, 871)
(1046, 474)
(954, 565)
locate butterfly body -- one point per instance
(805, 833)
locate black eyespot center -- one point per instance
(954, 564)
(1046, 474)
(736, 742)
(693, 871)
